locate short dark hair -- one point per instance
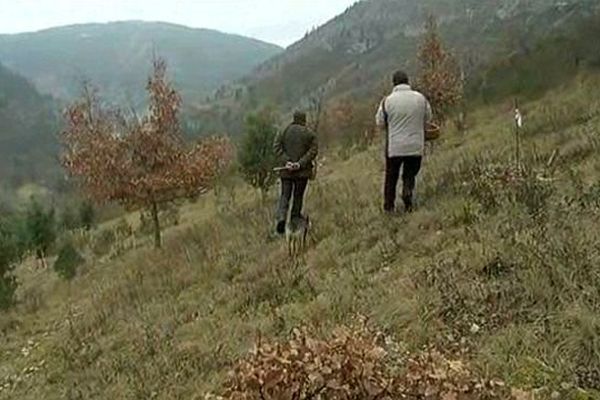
(400, 78)
(300, 118)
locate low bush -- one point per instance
(67, 262)
(354, 363)
(10, 253)
(102, 242)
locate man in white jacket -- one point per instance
(403, 114)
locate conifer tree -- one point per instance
(10, 252)
(67, 261)
(40, 225)
(87, 215)
(256, 155)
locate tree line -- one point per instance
(34, 232)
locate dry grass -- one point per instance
(506, 270)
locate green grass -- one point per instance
(518, 260)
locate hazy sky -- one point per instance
(276, 21)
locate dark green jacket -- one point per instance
(298, 144)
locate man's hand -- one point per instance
(292, 166)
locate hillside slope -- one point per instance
(28, 123)
(499, 266)
(353, 53)
(115, 55)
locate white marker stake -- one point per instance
(518, 126)
(518, 118)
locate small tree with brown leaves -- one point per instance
(349, 122)
(139, 162)
(439, 76)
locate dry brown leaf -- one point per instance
(518, 394)
(449, 396)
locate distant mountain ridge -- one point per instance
(117, 57)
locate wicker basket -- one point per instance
(432, 132)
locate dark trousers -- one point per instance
(291, 189)
(411, 165)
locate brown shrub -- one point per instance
(355, 363)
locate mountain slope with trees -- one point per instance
(28, 123)
(115, 55)
(354, 54)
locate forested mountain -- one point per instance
(356, 51)
(116, 57)
(28, 123)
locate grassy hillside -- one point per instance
(28, 123)
(114, 56)
(498, 266)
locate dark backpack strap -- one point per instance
(386, 121)
(386, 116)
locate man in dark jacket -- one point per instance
(297, 147)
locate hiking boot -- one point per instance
(281, 227)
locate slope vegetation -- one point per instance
(28, 122)
(498, 265)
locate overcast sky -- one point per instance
(276, 21)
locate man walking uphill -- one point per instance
(403, 114)
(297, 147)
